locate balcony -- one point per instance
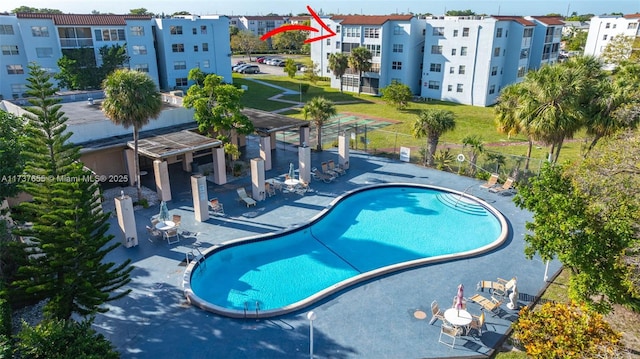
(75, 42)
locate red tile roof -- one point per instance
(264, 17)
(549, 20)
(73, 19)
(519, 19)
(369, 19)
(632, 16)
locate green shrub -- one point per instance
(5, 316)
(6, 350)
(62, 339)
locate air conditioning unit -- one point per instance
(178, 93)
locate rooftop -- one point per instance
(75, 19)
(369, 19)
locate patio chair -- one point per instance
(491, 305)
(171, 233)
(154, 221)
(505, 187)
(302, 188)
(177, 219)
(491, 182)
(153, 233)
(451, 332)
(269, 189)
(327, 171)
(495, 288)
(215, 206)
(244, 197)
(332, 167)
(436, 312)
(477, 322)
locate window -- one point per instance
(205, 64)
(337, 45)
(182, 81)
(396, 65)
(527, 32)
(374, 49)
(177, 47)
(463, 51)
(397, 47)
(372, 32)
(499, 32)
(452, 70)
(424, 32)
(496, 52)
(337, 29)
(465, 32)
(604, 37)
(494, 70)
(194, 31)
(205, 47)
(522, 71)
(397, 30)
(328, 55)
(15, 69)
(44, 52)
(434, 85)
(40, 31)
(375, 67)
(492, 89)
(462, 69)
(141, 67)
(435, 67)
(179, 65)
(350, 81)
(18, 89)
(436, 49)
(195, 48)
(632, 25)
(109, 34)
(459, 88)
(6, 30)
(351, 31)
(328, 41)
(449, 88)
(455, 33)
(524, 53)
(438, 31)
(453, 52)
(10, 50)
(139, 49)
(137, 30)
(175, 30)
(203, 29)
(607, 25)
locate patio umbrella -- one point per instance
(292, 172)
(164, 212)
(460, 297)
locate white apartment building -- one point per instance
(395, 41)
(44, 39)
(603, 28)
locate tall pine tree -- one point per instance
(67, 236)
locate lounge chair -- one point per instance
(491, 305)
(319, 176)
(332, 167)
(491, 182)
(436, 312)
(327, 171)
(499, 288)
(171, 233)
(302, 188)
(242, 193)
(215, 206)
(505, 187)
(450, 331)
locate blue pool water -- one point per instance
(364, 232)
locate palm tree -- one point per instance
(432, 124)
(510, 118)
(338, 63)
(477, 147)
(360, 61)
(131, 99)
(320, 110)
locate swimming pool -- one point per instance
(366, 233)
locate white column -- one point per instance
(126, 221)
(304, 164)
(265, 151)
(186, 161)
(131, 166)
(200, 199)
(161, 172)
(304, 135)
(257, 179)
(219, 169)
(343, 151)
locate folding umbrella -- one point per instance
(164, 212)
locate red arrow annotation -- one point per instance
(303, 28)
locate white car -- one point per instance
(240, 67)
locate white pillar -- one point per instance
(131, 166)
(219, 168)
(257, 179)
(200, 199)
(304, 136)
(161, 172)
(304, 164)
(265, 151)
(186, 161)
(126, 221)
(343, 151)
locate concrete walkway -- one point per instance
(372, 320)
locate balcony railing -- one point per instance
(75, 42)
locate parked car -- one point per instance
(251, 69)
(240, 67)
(277, 62)
(260, 59)
(282, 63)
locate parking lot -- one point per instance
(266, 69)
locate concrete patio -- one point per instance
(372, 320)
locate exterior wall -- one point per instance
(109, 161)
(603, 28)
(137, 44)
(12, 81)
(545, 36)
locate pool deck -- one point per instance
(374, 319)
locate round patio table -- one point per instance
(165, 226)
(457, 317)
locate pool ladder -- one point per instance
(199, 257)
(246, 308)
(462, 194)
